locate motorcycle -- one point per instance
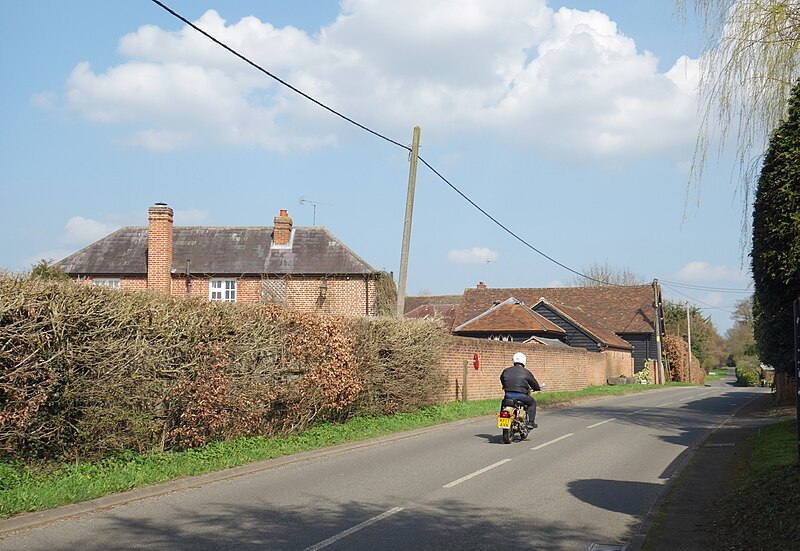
(512, 419)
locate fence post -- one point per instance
(464, 382)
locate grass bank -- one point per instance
(762, 511)
(24, 489)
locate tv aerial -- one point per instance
(304, 201)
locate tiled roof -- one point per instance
(621, 309)
(221, 250)
(415, 302)
(444, 311)
(580, 319)
(509, 316)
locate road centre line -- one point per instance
(356, 528)
(601, 423)
(476, 473)
(637, 411)
(540, 446)
(665, 404)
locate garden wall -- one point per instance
(559, 368)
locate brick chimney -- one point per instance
(159, 248)
(481, 285)
(283, 229)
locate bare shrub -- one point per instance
(86, 371)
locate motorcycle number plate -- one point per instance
(504, 422)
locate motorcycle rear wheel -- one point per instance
(506, 436)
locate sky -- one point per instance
(572, 124)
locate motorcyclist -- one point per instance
(517, 383)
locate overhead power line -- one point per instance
(707, 288)
(377, 134)
(707, 306)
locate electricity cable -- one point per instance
(375, 133)
(707, 288)
(708, 306)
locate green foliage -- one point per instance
(707, 344)
(385, 295)
(746, 376)
(776, 243)
(645, 376)
(46, 270)
(748, 371)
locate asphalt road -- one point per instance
(589, 474)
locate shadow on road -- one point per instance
(446, 525)
(629, 498)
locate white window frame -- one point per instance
(111, 282)
(222, 290)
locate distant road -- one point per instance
(588, 474)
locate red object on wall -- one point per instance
(476, 362)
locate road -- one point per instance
(589, 474)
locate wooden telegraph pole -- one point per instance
(412, 182)
(689, 337)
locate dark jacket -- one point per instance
(518, 379)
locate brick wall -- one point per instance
(342, 296)
(558, 368)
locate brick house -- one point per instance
(302, 268)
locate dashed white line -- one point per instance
(601, 423)
(540, 446)
(356, 528)
(476, 473)
(666, 404)
(637, 411)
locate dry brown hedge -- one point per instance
(676, 350)
(86, 371)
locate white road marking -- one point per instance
(540, 446)
(601, 423)
(637, 411)
(356, 528)
(703, 394)
(666, 404)
(476, 473)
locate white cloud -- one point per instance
(46, 101)
(80, 230)
(555, 81)
(192, 217)
(475, 255)
(703, 272)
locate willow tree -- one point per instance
(750, 62)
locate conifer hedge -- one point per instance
(776, 243)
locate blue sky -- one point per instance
(572, 123)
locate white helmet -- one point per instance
(519, 358)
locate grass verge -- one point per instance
(762, 511)
(24, 490)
